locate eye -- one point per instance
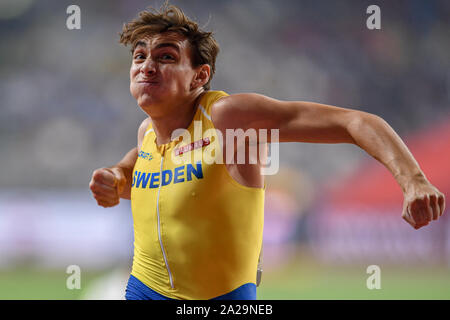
(166, 56)
(139, 56)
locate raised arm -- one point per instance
(110, 184)
(300, 121)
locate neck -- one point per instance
(166, 124)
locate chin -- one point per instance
(145, 96)
(145, 99)
(147, 102)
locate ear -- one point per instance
(202, 75)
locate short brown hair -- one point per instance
(171, 18)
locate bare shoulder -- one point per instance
(141, 131)
(226, 110)
(242, 108)
(234, 100)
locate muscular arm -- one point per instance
(108, 185)
(126, 165)
(300, 121)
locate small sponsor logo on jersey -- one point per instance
(145, 155)
(192, 146)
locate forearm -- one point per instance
(378, 139)
(126, 165)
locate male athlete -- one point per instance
(198, 225)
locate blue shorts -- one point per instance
(136, 290)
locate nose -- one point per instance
(148, 67)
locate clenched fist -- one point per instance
(423, 203)
(106, 185)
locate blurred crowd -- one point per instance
(66, 107)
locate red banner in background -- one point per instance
(373, 186)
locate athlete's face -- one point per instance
(161, 72)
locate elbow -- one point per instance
(363, 123)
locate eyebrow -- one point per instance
(168, 44)
(160, 45)
(138, 44)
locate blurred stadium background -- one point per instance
(330, 212)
